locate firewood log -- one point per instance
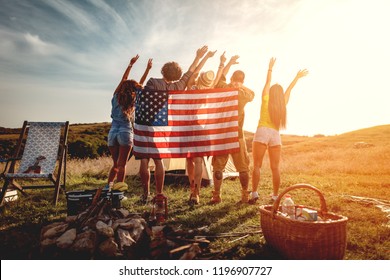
(70, 219)
(192, 252)
(135, 227)
(90, 212)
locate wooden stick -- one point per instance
(234, 234)
(181, 248)
(92, 210)
(237, 239)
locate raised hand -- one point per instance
(271, 63)
(302, 73)
(222, 58)
(150, 64)
(233, 59)
(211, 53)
(133, 60)
(202, 51)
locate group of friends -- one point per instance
(267, 137)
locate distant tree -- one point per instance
(82, 149)
(7, 148)
(103, 150)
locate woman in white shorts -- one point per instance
(272, 119)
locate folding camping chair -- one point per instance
(44, 144)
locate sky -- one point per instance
(62, 60)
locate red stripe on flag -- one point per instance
(202, 122)
(169, 144)
(184, 133)
(187, 155)
(205, 100)
(202, 111)
(204, 91)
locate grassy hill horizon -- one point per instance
(89, 140)
(15, 130)
(340, 169)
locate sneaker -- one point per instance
(253, 197)
(272, 198)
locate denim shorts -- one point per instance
(120, 135)
(268, 136)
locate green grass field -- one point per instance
(333, 164)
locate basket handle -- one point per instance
(323, 210)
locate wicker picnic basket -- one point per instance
(324, 239)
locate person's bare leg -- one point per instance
(191, 175)
(114, 150)
(217, 178)
(274, 158)
(198, 174)
(124, 152)
(258, 152)
(145, 176)
(159, 175)
(244, 180)
(218, 163)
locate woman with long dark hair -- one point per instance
(273, 116)
(120, 136)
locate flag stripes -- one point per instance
(186, 123)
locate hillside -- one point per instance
(90, 140)
(365, 151)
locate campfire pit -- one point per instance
(104, 232)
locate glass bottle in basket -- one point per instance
(288, 206)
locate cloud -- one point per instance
(76, 14)
(39, 46)
(117, 20)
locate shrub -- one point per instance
(82, 149)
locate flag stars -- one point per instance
(152, 108)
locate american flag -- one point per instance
(180, 124)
